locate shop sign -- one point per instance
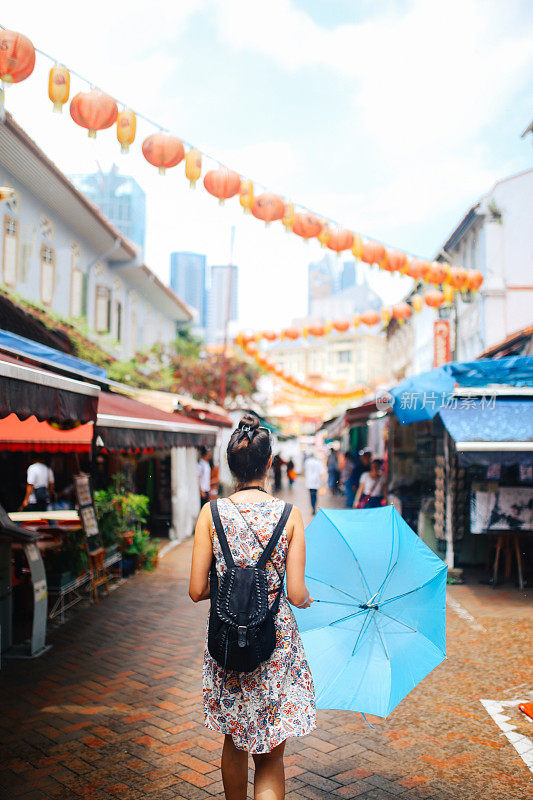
(441, 342)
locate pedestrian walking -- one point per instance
(277, 464)
(345, 479)
(291, 472)
(256, 709)
(314, 478)
(372, 490)
(40, 484)
(333, 471)
(362, 464)
(204, 474)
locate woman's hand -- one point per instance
(307, 603)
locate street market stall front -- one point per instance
(480, 418)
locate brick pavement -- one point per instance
(113, 710)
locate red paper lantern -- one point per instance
(270, 336)
(316, 330)
(222, 183)
(268, 207)
(373, 253)
(340, 239)
(475, 279)
(434, 298)
(163, 150)
(17, 57)
(290, 333)
(370, 318)
(94, 110)
(341, 325)
(401, 311)
(306, 225)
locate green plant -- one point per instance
(139, 543)
(119, 510)
(71, 556)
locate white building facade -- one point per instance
(58, 251)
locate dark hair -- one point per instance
(249, 449)
(377, 461)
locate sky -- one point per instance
(389, 116)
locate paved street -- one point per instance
(113, 710)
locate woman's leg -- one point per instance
(269, 780)
(234, 770)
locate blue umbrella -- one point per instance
(378, 624)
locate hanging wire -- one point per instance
(160, 127)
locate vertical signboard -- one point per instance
(441, 342)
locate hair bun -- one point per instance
(250, 421)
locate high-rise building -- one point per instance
(322, 280)
(220, 293)
(188, 279)
(347, 277)
(119, 198)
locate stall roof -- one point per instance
(14, 344)
(421, 397)
(210, 413)
(32, 435)
(489, 428)
(26, 391)
(125, 424)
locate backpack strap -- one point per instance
(272, 542)
(224, 546)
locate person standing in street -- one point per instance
(39, 486)
(372, 490)
(277, 464)
(314, 478)
(345, 479)
(362, 465)
(258, 710)
(204, 474)
(291, 472)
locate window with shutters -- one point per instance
(10, 248)
(48, 268)
(102, 309)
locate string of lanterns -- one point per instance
(307, 389)
(95, 111)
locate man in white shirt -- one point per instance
(314, 477)
(39, 484)
(204, 474)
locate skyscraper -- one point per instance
(347, 275)
(188, 279)
(219, 294)
(119, 198)
(322, 280)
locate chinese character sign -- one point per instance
(441, 342)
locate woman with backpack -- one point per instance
(257, 687)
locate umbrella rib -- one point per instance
(415, 630)
(363, 579)
(380, 636)
(390, 569)
(334, 587)
(336, 603)
(364, 627)
(404, 594)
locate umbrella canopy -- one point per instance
(378, 624)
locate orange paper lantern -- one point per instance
(324, 234)
(436, 273)
(341, 325)
(306, 225)
(434, 298)
(458, 277)
(291, 333)
(475, 279)
(94, 110)
(270, 336)
(356, 320)
(222, 183)
(416, 268)
(126, 128)
(246, 195)
(58, 86)
(396, 261)
(316, 330)
(193, 166)
(370, 317)
(373, 253)
(417, 303)
(448, 293)
(340, 239)
(17, 57)
(268, 207)
(386, 315)
(163, 151)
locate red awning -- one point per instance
(39, 437)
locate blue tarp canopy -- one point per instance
(421, 397)
(490, 430)
(12, 342)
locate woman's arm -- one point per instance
(202, 555)
(29, 490)
(297, 593)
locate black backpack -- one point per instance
(241, 631)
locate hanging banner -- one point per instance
(441, 342)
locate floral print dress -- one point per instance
(260, 709)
